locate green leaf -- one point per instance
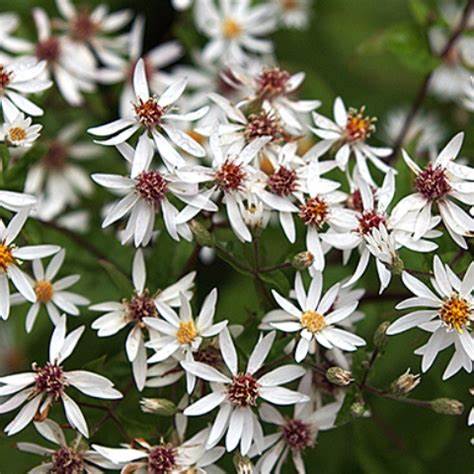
(420, 11)
(121, 281)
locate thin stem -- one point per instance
(391, 396)
(424, 87)
(274, 268)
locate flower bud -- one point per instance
(303, 260)
(405, 383)
(397, 265)
(447, 406)
(380, 336)
(203, 237)
(242, 464)
(338, 376)
(158, 406)
(358, 409)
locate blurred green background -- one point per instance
(398, 438)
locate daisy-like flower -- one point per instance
(294, 13)
(93, 28)
(441, 181)
(67, 457)
(183, 333)
(133, 312)
(146, 193)
(232, 175)
(10, 261)
(275, 88)
(348, 134)
(315, 318)
(48, 384)
(376, 232)
(119, 69)
(172, 458)
(155, 115)
(294, 434)
(235, 29)
(17, 78)
(57, 177)
(14, 201)
(8, 24)
(448, 313)
(51, 294)
(238, 394)
(19, 131)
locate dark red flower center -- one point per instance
(314, 211)
(432, 183)
(297, 434)
(162, 459)
(56, 156)
(263, 124)
(67, 461)
(49, 379)
(141, 306)
(48, 50)
(5, 77)
(83, 27)
(369, 220)
(243, 391)
(149, 112)
(151, 186)
(282, 181)
(230, 175)
(272, 82)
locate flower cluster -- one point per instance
(227, 143)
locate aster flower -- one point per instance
(17, 78)
(275, 88)
(315, 318)
(183, 333)
(14, 201)
(67, 457)
(235, 29)
(348, 134)
(141, 306)
(119, 69)
(10, 261)
(172, 458)
(73, 68)
(239, 393)
(57, 177)
(155, 116)
(436, 185)
(52, 295)
(8, 24)
(448, 313)
(232, 175)
(48, 384)
(294, 13)
(93, 28)
(19, 131)
(146, 193)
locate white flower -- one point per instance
(295, 13)
(155, 115)
(181, 4)
(275, 89)
(172, 458)
(349, 133)
(56, 177)
(94, 28)
(232, 175)
(238, 394)
(437, 184)
(183, 333)
(315, 318)
(118, 69)
(142, 305)
(294, 434)
(72, 455)
(8, 24)
(51, 294)
(10, 261)
(448, 313)
(48, 384)
(17, 78)
(19, 131)
(146, 193)
(235, 29)
(14, 201)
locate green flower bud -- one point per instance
(447, 406)
(380, 336)
(338, 376)
(405, 383)
(158, 406)
(203, 237)
(303, 260)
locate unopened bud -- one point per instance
(338, 376)
(203, 237)
(397, 265)
(380, 336)
(405, 383)
(242, 464)
(302, 261)
(447, 406)
(358, 409)
(158, 406)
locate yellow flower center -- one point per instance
(186, 332)
(313, 321)
(455, 313)
(16, 134)
(6, 257)
(231, 29)
(359, 126)
(44, 291)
